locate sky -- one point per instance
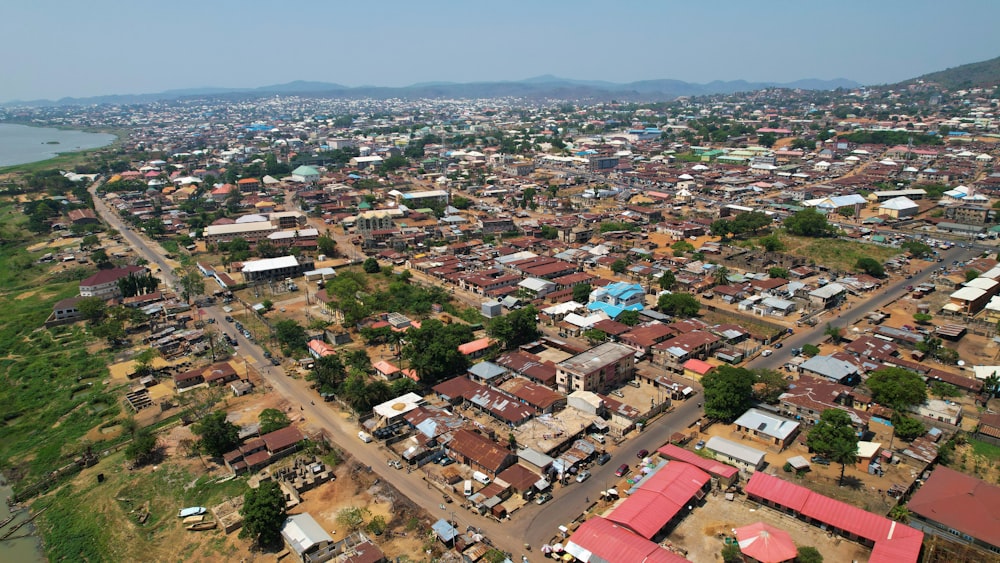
(68, 48)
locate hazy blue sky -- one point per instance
(57, 48)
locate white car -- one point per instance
(583, 476)
(766, 353)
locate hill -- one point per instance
(539, 87)
(984, 73)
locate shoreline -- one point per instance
(64, 158)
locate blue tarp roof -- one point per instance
(445, 530)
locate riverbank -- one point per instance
(24, 543)
(38, 157)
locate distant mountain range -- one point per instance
(539, 87)
(983, 73)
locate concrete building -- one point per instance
(747, 459)
(767, 428)
(596, 369)
(274, 268)
(104, 283)
(250, 232)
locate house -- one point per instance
(477, 348)
(620, 294)
(275, 268)
(899, 208)
(891, 541)
(661, 498)
(601, 367)
(674, 352)
(832, 368)
(958, 507)
(767, 428)
(774, 306)
(989, 429)
(828, 296)
(696, 369)
(260, 452)
(744, 457)
(305, 174)
(811, 395)
(104, 284)
(599, 539)
(643, 337)
(83, 216)
(536, 288)
(479, 452)
(66, 310)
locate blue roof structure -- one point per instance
(445, 530)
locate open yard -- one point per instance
(836, 254)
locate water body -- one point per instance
(24, 549)
(20, 144)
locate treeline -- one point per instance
(891, 138)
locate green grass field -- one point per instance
(836, 253)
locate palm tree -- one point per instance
(844, 453)
(720, 275)
(900, 513)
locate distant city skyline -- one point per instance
(59, 48)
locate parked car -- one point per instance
(543, 498)
(583, 476)
(275, 362)
(778, 344)
(229, 319)
(642, 453)
(622, 470)
(395, 463)
(820, 460)
(766, 353)
(699, 445)
(603, 458)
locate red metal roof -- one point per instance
(962, 502)
(710, 466)
(894, 542)
(614, 544)
(765, 543)
(659, 498)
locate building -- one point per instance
(274, 268)
(601, 540)
(420, 200)
(726, 474)
(828, 296)
(65, 310)
(250, 232)
(597, 369)
(104, 284)
(898, 207)
(661, 499)
(479, 452)
(834, 369)
(747, 459)
(304, 536)
(891, 541)
(305, 175)
(970, 214)
(260, 452)
(768, 428)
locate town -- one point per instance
(751, 327)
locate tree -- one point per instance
(834, 437)
(628, 318)
(917, 249)
(835, 333)
(263, 514)
(922, 318)
(216, 434)
(728, 392)
(327, 245)
(870, 266)
(679, 305)
(619, 266)
(328, 373)
(377, 525)
(731, 553)
(808, 223)
(192, 285)
(595, 335)
(769, 386)
(771, 243)
(907, 428)
(516, 328)
(991, 385)
(810, 350)
(432, 350)
(808, 554)
(271, 420)
(897, 388)
(720, 275)
(846, 212)
(371, 266)
(549, 232)
(92, 308)
(667, 280)
(290, 334)
(581, 292)
(142, 449)
(971, 275)
(352, 518)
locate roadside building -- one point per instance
(768, 428)
(597, 369)
(744, 457)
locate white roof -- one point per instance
(868, 450)
(982, 283)
(399, 405)
(983, 372)
(268, 264)
(898, 203)
(828, 290)
(968, 294)
(561, 308)
(237, 228)
(735, 450)
(301, 531)
(535, 284)
(767, 424)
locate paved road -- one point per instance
(893, 291)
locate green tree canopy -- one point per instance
(897, 388)
(776, 272)
(619, 266)
(728, 392)
(668, 280)
(834, 437)
(290, 334)
(432, 350)
(271, 420)
(870, 266)
(263, 514)
(917, 249)
(679, 305)
(629, 318)
(809, 554)
(371, 266)
(808, 223)
(516, 328)
(142, 448)
(907, 428)
(581, 292)
(217, 435)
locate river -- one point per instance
(20, 144)
(24, 549)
